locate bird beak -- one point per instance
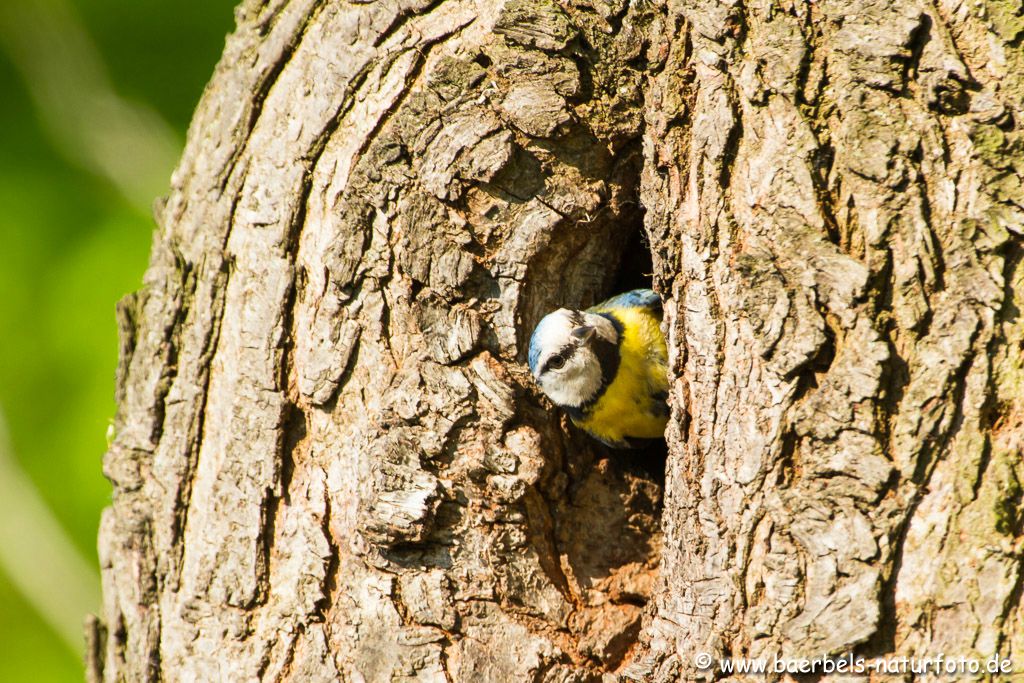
(583, 333)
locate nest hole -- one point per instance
(635, 271)
(636, 267)
(607, 523)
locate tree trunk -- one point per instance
(330, 462)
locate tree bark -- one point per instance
(330, 462)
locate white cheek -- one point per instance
(575, 384)
(562, 391)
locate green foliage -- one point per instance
(31, 652)
(72, 246)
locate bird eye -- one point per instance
(556, 362)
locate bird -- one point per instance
(606, 367)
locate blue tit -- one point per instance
(606, 367)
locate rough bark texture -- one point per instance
(834, 199)
(330, 462)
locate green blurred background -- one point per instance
(95, 98)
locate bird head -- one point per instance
(564, 356)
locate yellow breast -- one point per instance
(629, 407)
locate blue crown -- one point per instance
(534, 354)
